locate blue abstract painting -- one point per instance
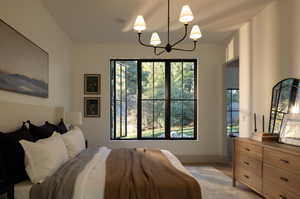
(24, 67)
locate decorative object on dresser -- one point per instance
(7, 189)
(92, 107)
(262, 136)
(269, 168)
(92, 84)
(24, 66)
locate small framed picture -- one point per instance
(92, 107)
(92, 84)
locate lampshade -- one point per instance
(139, 24)
(155, 40)
(74, 118)
(186, 15)
(195, 33)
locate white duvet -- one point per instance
(91, 181)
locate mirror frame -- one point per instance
(275, 111)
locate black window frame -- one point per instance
(168, 99)
(231, 111)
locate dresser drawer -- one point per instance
(272, 190)
(282, 160)
(251, 164)
(245, 149)
(249, 178)
(282, 178)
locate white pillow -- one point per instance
(74, 141)
(44, 157)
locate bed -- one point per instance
(90, 184)
(100, 173)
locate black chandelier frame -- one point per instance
(169, 47)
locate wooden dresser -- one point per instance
(271, 169)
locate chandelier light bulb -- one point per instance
(195, 33)
(155, 40)
(139, 24)
(186, 15)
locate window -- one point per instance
(153, 99)
(233, 111)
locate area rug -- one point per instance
(216, 185)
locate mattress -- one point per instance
(22, 190)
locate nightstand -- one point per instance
(7, 189)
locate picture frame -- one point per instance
(92, 84)
(92, 107)
(290, 132)
(24, 66)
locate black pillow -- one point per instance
(61, 127)
(41, 132)
(12, 154)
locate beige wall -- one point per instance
(269, 47)
(245, 81)
(94, 58)
(232, 47)
(31, 19)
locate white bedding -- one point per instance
(90, 183)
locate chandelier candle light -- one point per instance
(186, 16)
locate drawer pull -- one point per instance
(283, 197)
(285, 161)
(284, 179)
(247, 149)
(246, 163)
(246, 176)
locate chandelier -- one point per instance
(186, 16)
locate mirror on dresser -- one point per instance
(285, 98)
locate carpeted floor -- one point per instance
(216, 185)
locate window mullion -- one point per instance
(121, 101)
(139, 108)
(167, 99)
(232, 116)
(182, 100)
(196, 98)
(126, 105)
(152, 99)
(115, 118)
(277, 103)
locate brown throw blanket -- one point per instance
(146, 174)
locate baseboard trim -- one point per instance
(188, 159)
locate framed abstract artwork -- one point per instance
(92, 107)
(92, 84)
(24, 66)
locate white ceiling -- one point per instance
(112, 20)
